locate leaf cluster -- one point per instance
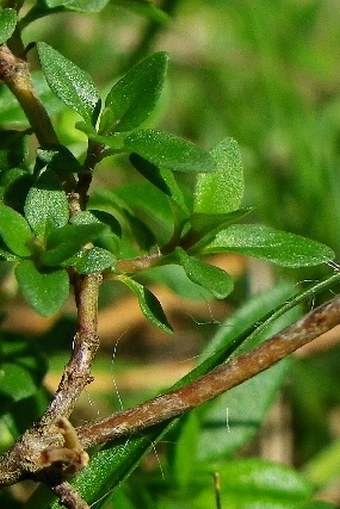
(48, 242)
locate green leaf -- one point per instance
(93, 260)
(183, 460)
(45, 290)
(8, 22)
(57, 158)
(133, 98)
(110, 238)
(108, 219)
(285, 249)
(70, 83)
(17, 183)
(13, 149)
(242, 409)
(68, 241)
(15, 231)
(141, 232)
(240, 413)
(258, 483)
(218, 282)
(21, 369)
(115, 141)
(145, 8)
(222, 191)
(205, 226)
(77, 5)
(15, 381)
(162, 178)
(148, 303)
(168, 151)
(46, 205)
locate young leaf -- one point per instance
(133, 98)
(222, 191)
(168, 151)
(142, 234)
(67, 241)
(70, 83)
(57, 158)
(46, 205)
(149, 304)
(162, 178)
(205, 226)
(45, 290)
(93, 260)
(110, 238)
(285, 249)
(215, 280)
(15, 231)
(8, 22)
(115, 141)
(78, 5)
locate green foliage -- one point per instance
(283, 248)
(14, 231)
(149, 304)
(8, 21)
(70, 83)
(134, 97)
(213, 279)
(46, 289)
(168, 151)
(222, 191)
(46, 205)
(169, 203)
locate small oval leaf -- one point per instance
(8, 22)
(14, 231)
(78, 5)
(168, 151)
(68, 241)
(70, 83)
(45, 290)
(133, 98)
(148, 303)
(46, 205)
(215, 280)
(222, 191)
(93, 260)
(282, 248)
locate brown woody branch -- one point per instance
(219, 380)
(27, 458)
(77, 374)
